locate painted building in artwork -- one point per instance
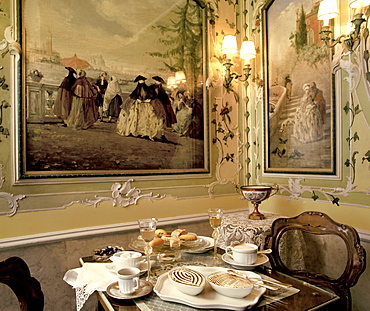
(45, 52)
(313, 24)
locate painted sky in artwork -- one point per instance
(281, 17)
(121, 31)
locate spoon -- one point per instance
(266, 251)
(254, 281)
(285, 285)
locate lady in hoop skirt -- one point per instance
(137, 116)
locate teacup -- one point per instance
(128, 280)
(126, 259)
(243, 253)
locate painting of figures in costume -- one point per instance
(300, 97)
(112, 88)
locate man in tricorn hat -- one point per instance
(158, 92)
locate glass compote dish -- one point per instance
(147, 228)
(215, 218)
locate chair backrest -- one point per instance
(318, 223)
(15, 273)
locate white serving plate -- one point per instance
(209, 245)
(208, 298)
(261, 259)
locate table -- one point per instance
(237, 227)
(309, 297)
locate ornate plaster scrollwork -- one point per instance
(125, 195)
(11, 198)
(296, 190)
(9, 44)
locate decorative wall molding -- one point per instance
(121, 194)
(9, 44)
(57, 236)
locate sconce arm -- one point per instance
(349, 39)
(229, 78)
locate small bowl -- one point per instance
(104, 254)
(230, 285)
(187, 280)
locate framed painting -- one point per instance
(112, 88)
(300, 101)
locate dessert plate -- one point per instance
(209, 245)
(261, 259)
(208, 298)
(145, 288)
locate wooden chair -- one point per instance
(317, 223)
(15, 273)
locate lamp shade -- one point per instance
(328, 9)
(171, 81)
(180, 77)
(229, 45)
(248, 50)
(354, 4)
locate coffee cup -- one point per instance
(126, 259)
(243, 253)
(128, 280)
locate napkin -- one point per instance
(89, 278)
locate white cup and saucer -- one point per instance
(129, 286)
(245, 256)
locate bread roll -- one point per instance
(160, 232)
(156, 242)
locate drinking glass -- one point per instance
(215, 218)
(147, 228)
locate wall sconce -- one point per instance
(328, 9)
(247, 52)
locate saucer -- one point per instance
(145, 288)
(261, 259)
(141, 265)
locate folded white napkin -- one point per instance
(89, 278)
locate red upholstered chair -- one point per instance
(15, 273)
(316, 224)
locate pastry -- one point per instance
(160, 232)
(156, 242)
(166, 238)
(188, 237)
(178, 232)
